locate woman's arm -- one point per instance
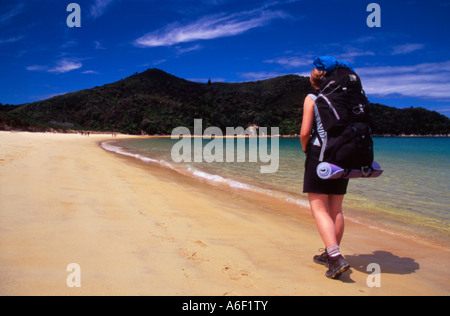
(308, 116)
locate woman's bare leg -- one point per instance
(335, 211)
(327, 212)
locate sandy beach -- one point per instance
(136, 229)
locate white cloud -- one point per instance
(351, 53)
(8, 16)
(406, 49)
(181, 50)
(36, 68)
(10, 40)
(98, 45)
(427, 81)
(291, 62)
(209, 27)
(99, 7)
(69, 44)
(65, 65)
(61, 66)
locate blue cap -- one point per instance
(329, 63)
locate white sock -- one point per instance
(333, 251)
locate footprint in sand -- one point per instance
(192, 255)
(239, 274)
(200, 243)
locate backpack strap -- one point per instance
(314, 135)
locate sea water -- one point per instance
(411, 198)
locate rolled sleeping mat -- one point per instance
(328, 171)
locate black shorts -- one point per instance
(311, 181)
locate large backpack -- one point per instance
(342, 108)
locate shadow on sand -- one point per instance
(389, 264)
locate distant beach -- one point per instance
(135, 228)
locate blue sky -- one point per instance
(403, 63)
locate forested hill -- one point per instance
(155, 102)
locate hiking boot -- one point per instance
(322, 259)
(337, 266)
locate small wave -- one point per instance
(119, 150)
(212, 178)
(248, 187)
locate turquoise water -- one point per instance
(411, 198)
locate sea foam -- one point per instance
(213, 179)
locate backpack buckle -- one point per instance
(366, 171)
(357, 110)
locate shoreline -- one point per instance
(353, 211)
(224, 136)
(138, 230)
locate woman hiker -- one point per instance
(325, 196)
